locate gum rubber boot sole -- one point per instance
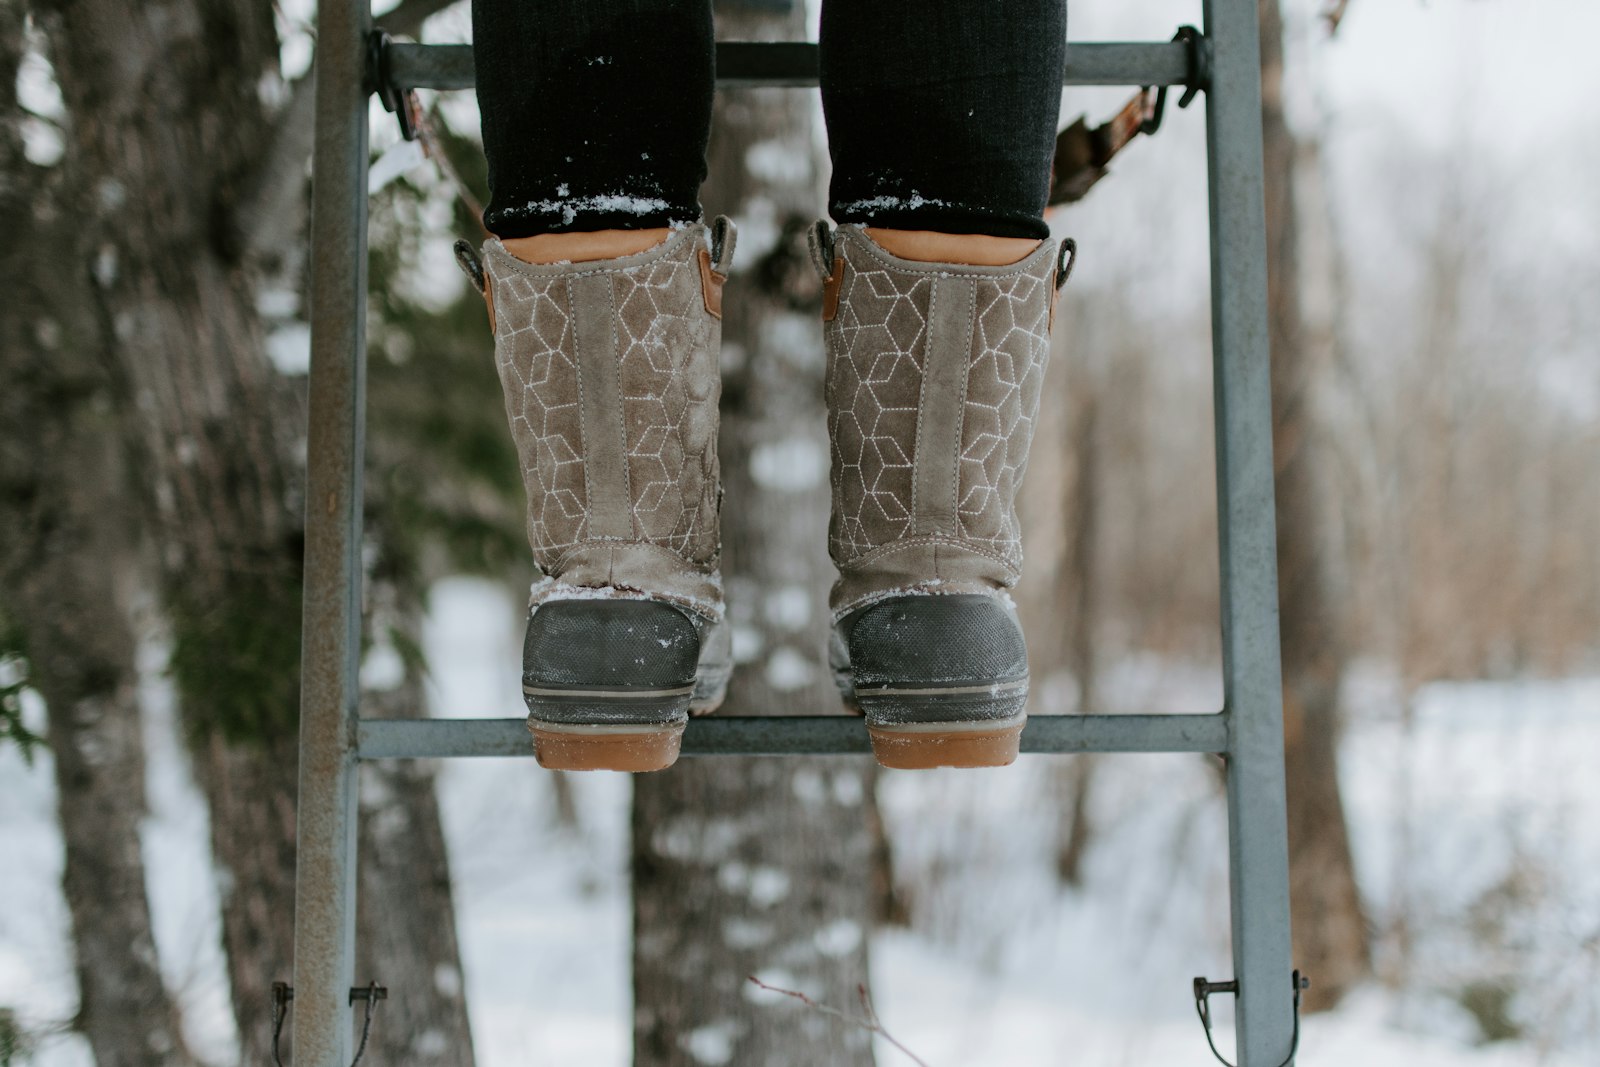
(563, 747)
(923, 746)
(942, 680)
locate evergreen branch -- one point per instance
(13, 680)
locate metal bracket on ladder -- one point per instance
(1199, 77)
(1224, 62)
(399, 100)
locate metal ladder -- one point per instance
(1248, 732)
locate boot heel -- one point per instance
(560, 747)
(923, 746)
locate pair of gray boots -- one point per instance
(611, 380)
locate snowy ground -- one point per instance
(1483, 792)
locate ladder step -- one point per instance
(794, 64)
(793, 735)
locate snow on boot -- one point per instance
(611, 378)
(933, 381)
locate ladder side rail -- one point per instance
(324, 935)
(1252, 671)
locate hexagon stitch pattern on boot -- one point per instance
(611, 376)
(933, 388)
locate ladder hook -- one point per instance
(397, 100)
(1195, 80)
(1202, 1005)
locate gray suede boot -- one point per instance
(933, 381)
(611, 378)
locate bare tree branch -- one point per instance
(1334, 14)
(868, 1022)
(425, 119)
(270, 216)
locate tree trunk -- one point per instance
(167, 127)
(67, 570)
(743, 866)
(1080, 589)
(404, 874)
(1330, 937)
(165, 123)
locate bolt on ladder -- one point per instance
(1248, 732)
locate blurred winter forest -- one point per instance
(1435, 310)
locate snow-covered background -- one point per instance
(1488, 790)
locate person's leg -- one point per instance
(942, 113)
(596, 113)
(605, 299)
(939, 286)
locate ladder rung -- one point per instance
(794, 735)
(794, 63)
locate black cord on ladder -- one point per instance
(1202, 1001)
(375, 993)
(283, 993)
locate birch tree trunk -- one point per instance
(1330, 937)
(760, 866)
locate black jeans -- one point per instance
(941, 113)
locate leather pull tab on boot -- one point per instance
(820, 240)
(1066, 259)
(830, 290)
(724, 236)
(715, 261)
(829, 267)
(467, 259)
(710, 285)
